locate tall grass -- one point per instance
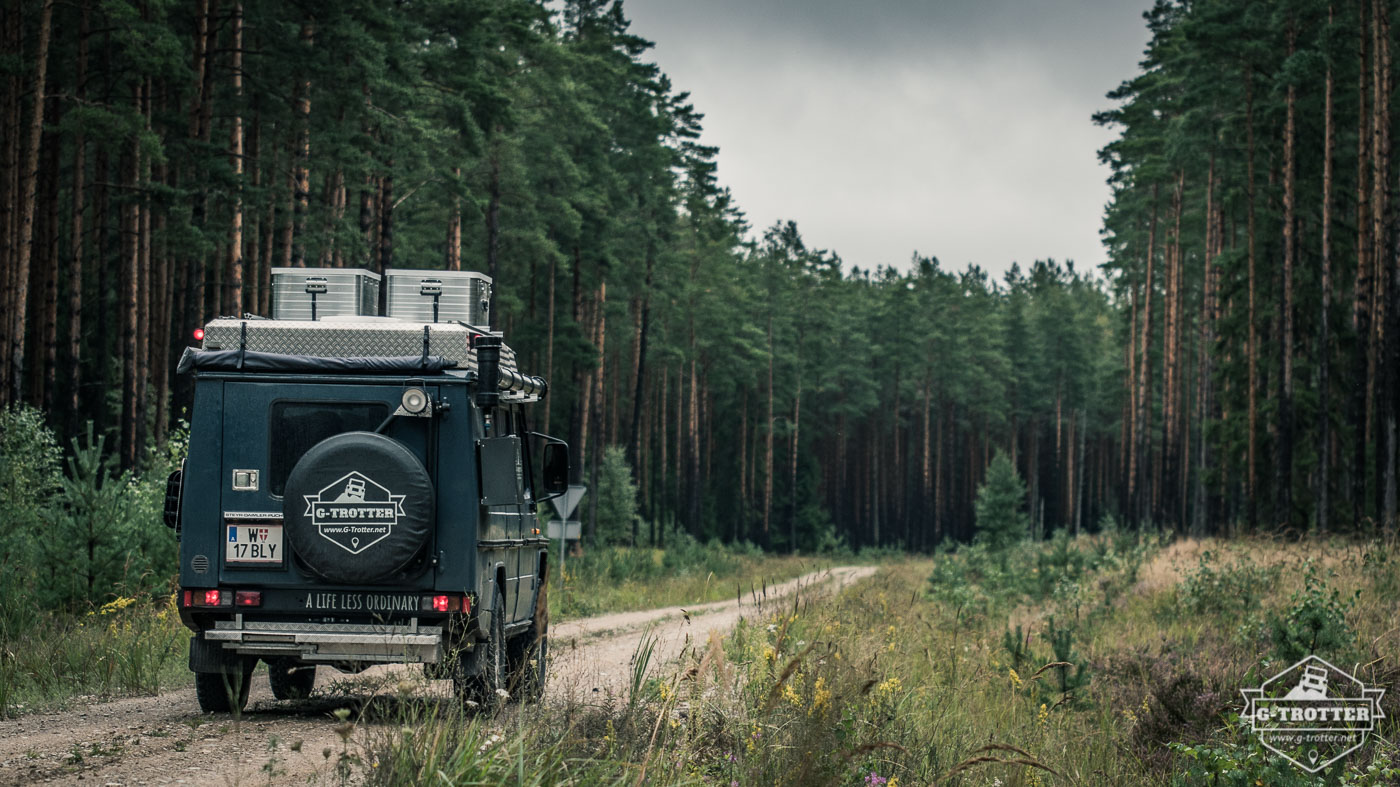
(983, 676)
(131, 645)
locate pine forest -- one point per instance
(1231, 368)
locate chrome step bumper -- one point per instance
(332, 642)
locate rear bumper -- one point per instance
(328, 642)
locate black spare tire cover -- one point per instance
(358, 507)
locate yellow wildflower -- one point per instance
(888, 689)
(1015, 679)
(790, 694)
(116, 605)
(821, 697)
(1043, 718)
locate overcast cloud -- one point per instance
(955, 129)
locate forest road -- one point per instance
(165, 740)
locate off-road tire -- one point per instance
(485, 670)
(290, 680)
(528, 654)
(224, 692)
(526, 658)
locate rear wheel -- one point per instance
(290, 680)
(224, 692)
(482, 676)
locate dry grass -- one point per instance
(899, 679)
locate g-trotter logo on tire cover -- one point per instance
(354, 512)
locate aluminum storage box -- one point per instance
(348, 292)
(349, 337)
(460, 295)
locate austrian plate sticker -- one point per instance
(354, 512)
(259, 545)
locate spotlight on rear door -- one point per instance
(415, 401)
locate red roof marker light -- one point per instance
(199, 334)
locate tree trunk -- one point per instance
(301, 169)
(76, 237)
(1145, 373)
(49, 325)
(768, 440)
(640, 361)
(1252, 341)
(493, 228)
(1360, 319)
(130, 307)
(1284, 473)
(792, 491)
(233, 276)
(1324, 352)
(454, 224)
(386, 225)
(28, 181)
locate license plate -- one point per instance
(259, 545)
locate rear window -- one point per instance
(295, 427)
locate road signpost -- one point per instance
(565, 528)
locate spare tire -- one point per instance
(358, 507)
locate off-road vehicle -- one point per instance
(361, 490)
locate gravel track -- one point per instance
(165, 740)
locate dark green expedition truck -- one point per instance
(361, 490)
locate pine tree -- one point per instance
(1001, 520)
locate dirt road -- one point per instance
(165, 740)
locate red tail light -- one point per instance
(207, 598)
(247, 598)
(443, 603)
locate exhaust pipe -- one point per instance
(488, 371)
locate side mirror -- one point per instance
(174, 492)
(556, 468)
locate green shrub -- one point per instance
(1223, 589)
(1314, 623)
(30, 473)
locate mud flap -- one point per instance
(208, 656)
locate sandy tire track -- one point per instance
(165, 740)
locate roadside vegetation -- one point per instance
(1109, 659)
(1116, 658)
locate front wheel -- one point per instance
(224, 692)
(528, 654)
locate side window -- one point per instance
(294, 427)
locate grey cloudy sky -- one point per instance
(956, 128)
